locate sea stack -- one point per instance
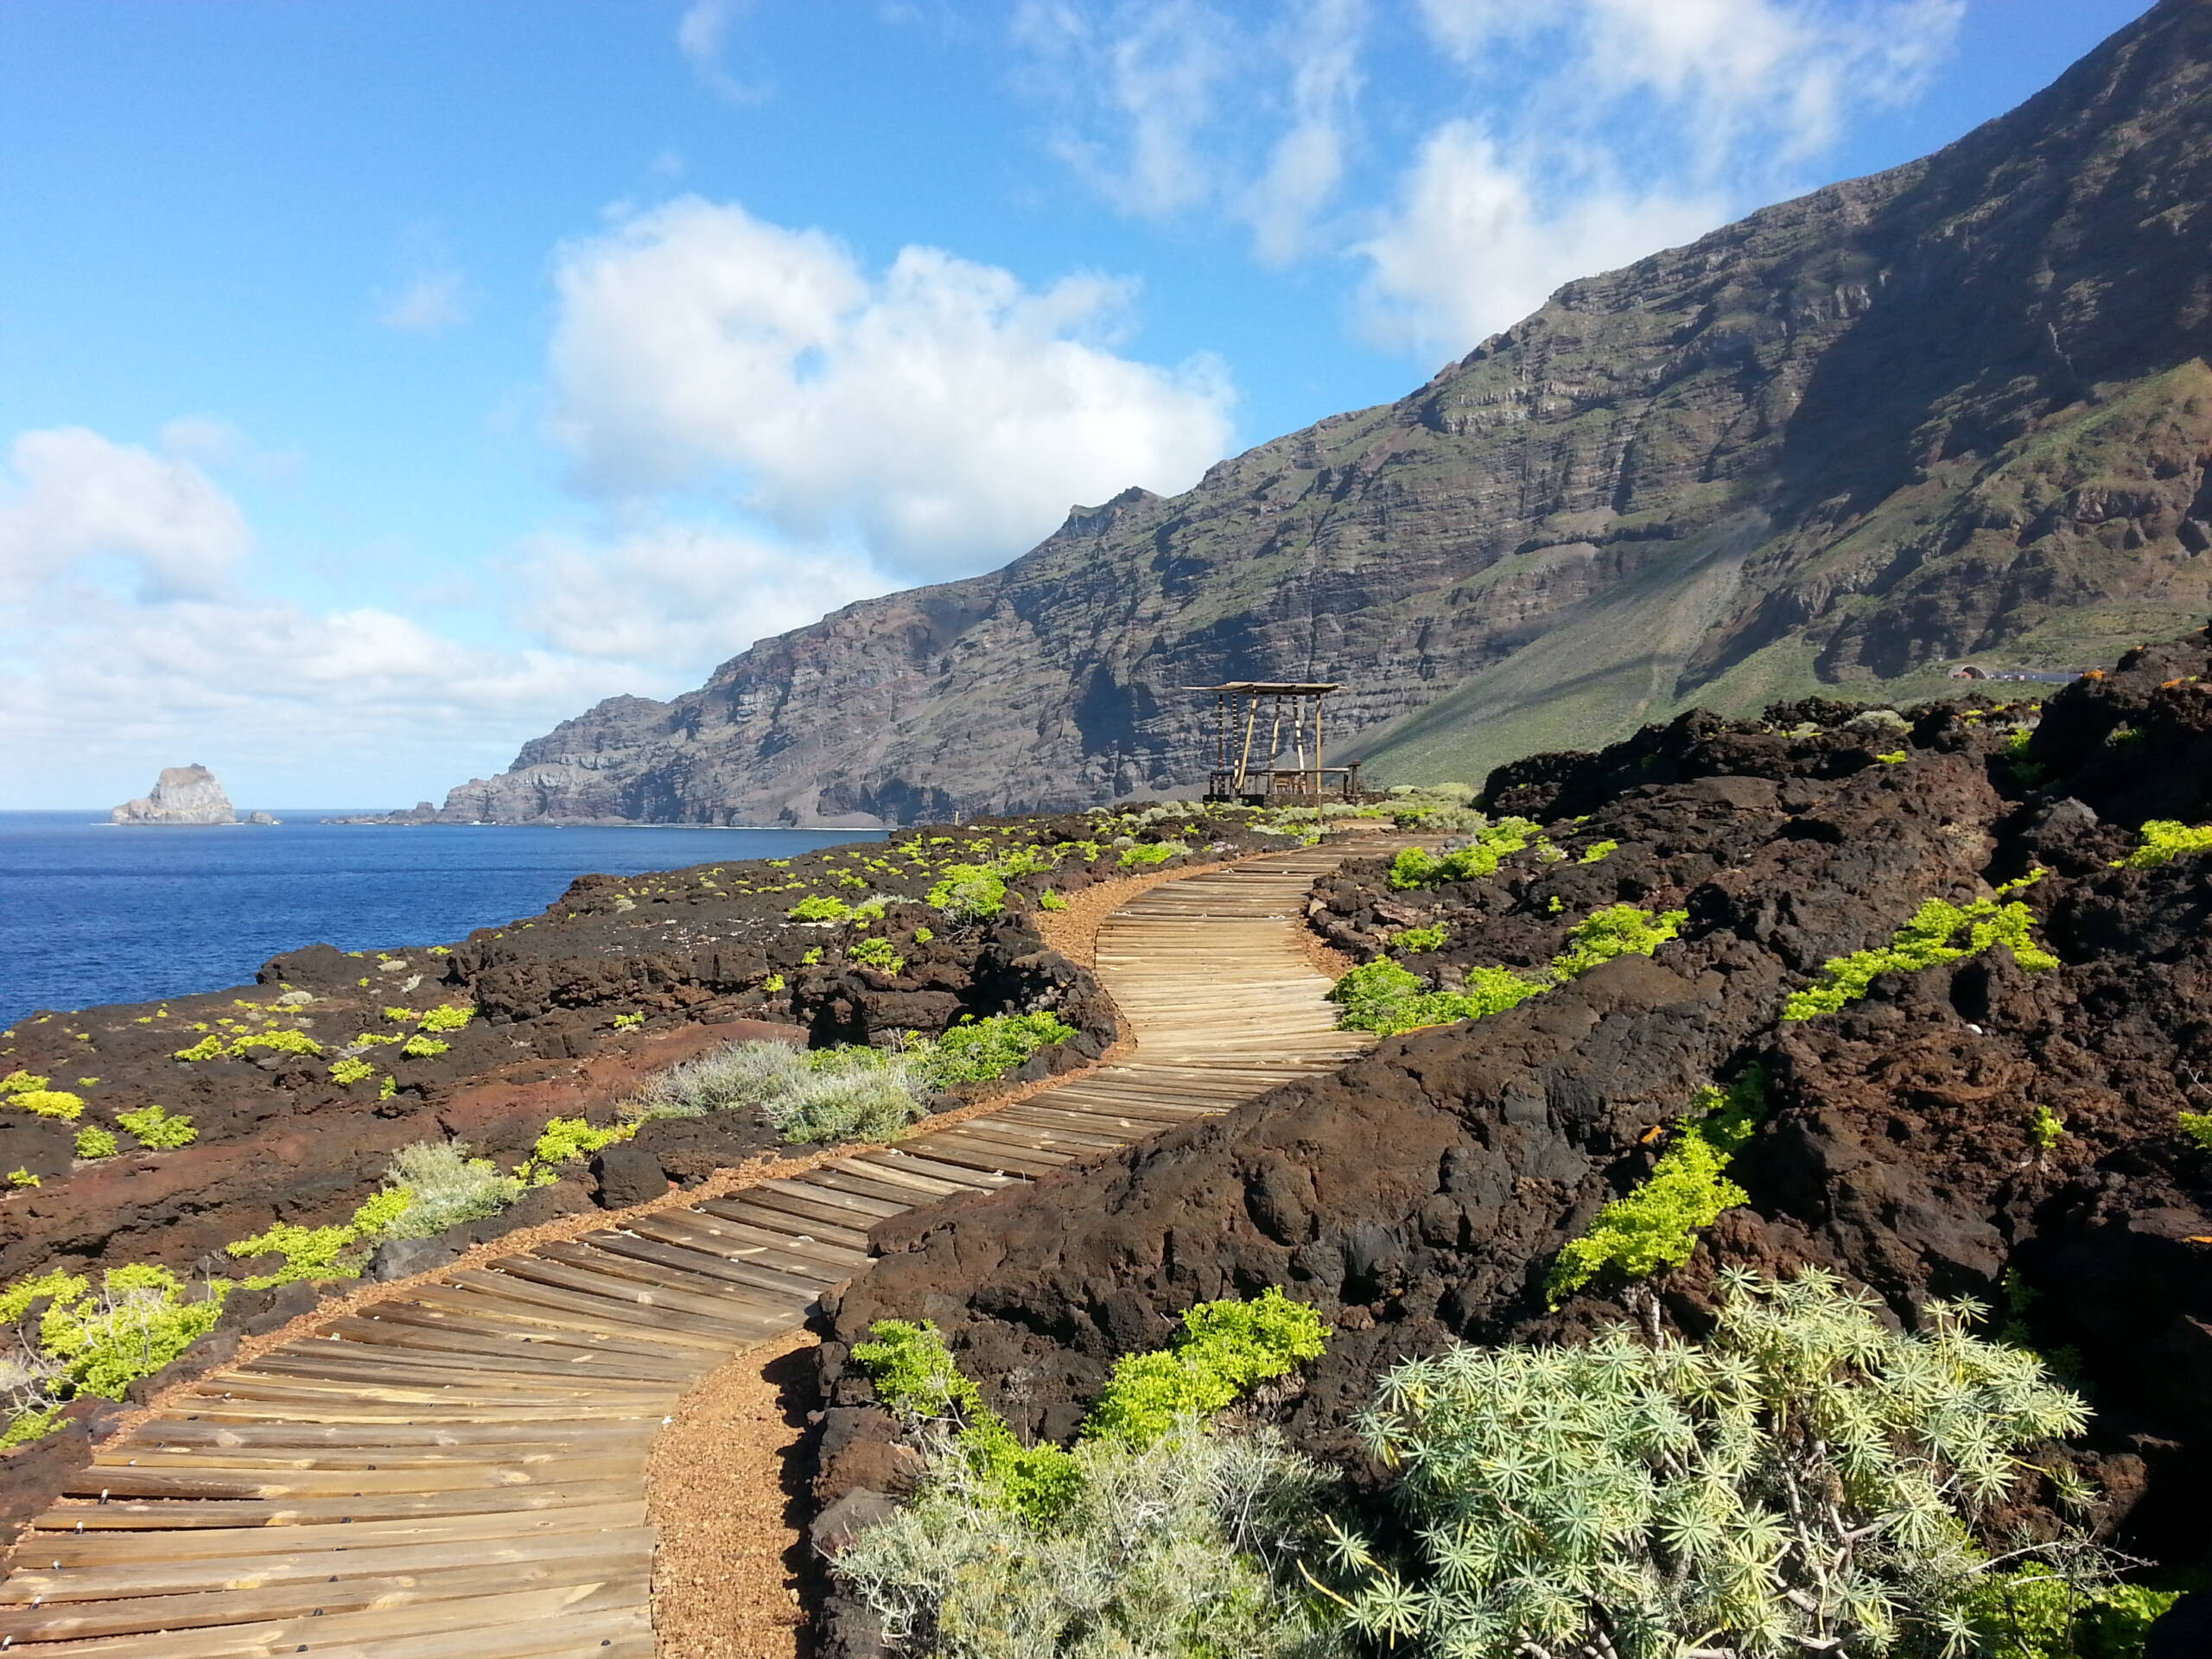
(180, 795)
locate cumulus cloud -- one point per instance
(702, 36)
(684, 595)
(1477, 242)
(1167, 107)
(70, 494)
(940, 414)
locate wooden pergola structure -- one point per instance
(1244, 768)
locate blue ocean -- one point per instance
(93, 912)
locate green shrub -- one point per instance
(157, 1128)
(880, 953)
(1048, 900)
(1657, 1224)
(423, 1048)
(1614, 931)
(2166, 840)
(851, 1102)
(1938, 932)
(402, 1016)
(281, 1042)
(969, 893)
(334, 1252)
(975, 1051)
(1896, 759)
(95, 1341)
(210, 1047)
(346, 1073)
(2038, 1612)
(2045, 1128)
(94, 1141)
(820, 907)
(1417, 941)
(447, 1019)
(1382, 997)
(2197, 1126)
(22, 1083)
(1224, 1349)
(51, 1102)
(1490, 846)
(1803, 1483)
(22, 1177)
(445, 1186)
(568, 1141)
(1599, 851)
(1158, 852)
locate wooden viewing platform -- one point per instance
(459, 1471)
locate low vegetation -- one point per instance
(1939, 932)
(2166, 840)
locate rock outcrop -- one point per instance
(182, 795)
(1957, 409)
(1998, 1127)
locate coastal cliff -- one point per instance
(1959, 411)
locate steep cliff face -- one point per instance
(182, 795)
(1956, 410)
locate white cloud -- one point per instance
(941, 415)
(432, 295)
(702, 36)
(70, 494)
(1169, 107)
(1478, 241)
(1648, 122)
(685, 597)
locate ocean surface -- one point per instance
(93, 912)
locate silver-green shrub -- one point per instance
(1162, 1554)
(1802, 1483)
(445, 1186)
(741, 1076)
(858, 1100)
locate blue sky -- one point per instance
(382, 383)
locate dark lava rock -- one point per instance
(626, 1174)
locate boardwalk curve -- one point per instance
(458, 1472)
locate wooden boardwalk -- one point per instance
(459, 1472)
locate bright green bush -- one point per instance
(1657, 1224)
(346, 1073)
(423, 1048)
(95, 1341)
(22, 1083)
(1614, 931)
(1490, 846)
(210, 1047)
(1415, 941)
(969, 893)
(1157, 852)
(880, 953)
(281, 1042)
(402, 1016)
(1803, 1483)
(2166, 840)
(975, 1051)
(1224, 1349)
(1048, 900)
(820, 907)
(2045, 1128)
(1938, 932)
(2040, 1611)
(447, 1019)
(51, 1102)
(568, 1141)
(94, 1141)
(157, 1128)
(445, 1186)
(1383, 997)
(1599, 851)
(2197, 1126)
(334, 1252)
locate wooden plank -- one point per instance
(593, 1258)
(751, 1246)
(628, 1297)
(815, 1237)
(807, 1189)
(109, 1583)
(918, 1167)
(138, 1515)
(264, 1639)
(180, 1432)
(235, 1483)
(75, 1620)
(774, 1216)
(998, 1159)
(851, 1174)
(477, 1294)
(788, 1296)
(475, 1356)
(102, 1549)
(604, 1312)
(452, 1372)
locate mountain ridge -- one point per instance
(1956, 408)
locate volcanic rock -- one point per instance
(182, 795)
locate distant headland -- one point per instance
(185, 795)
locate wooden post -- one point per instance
(1317, 749)
(1244, 759)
